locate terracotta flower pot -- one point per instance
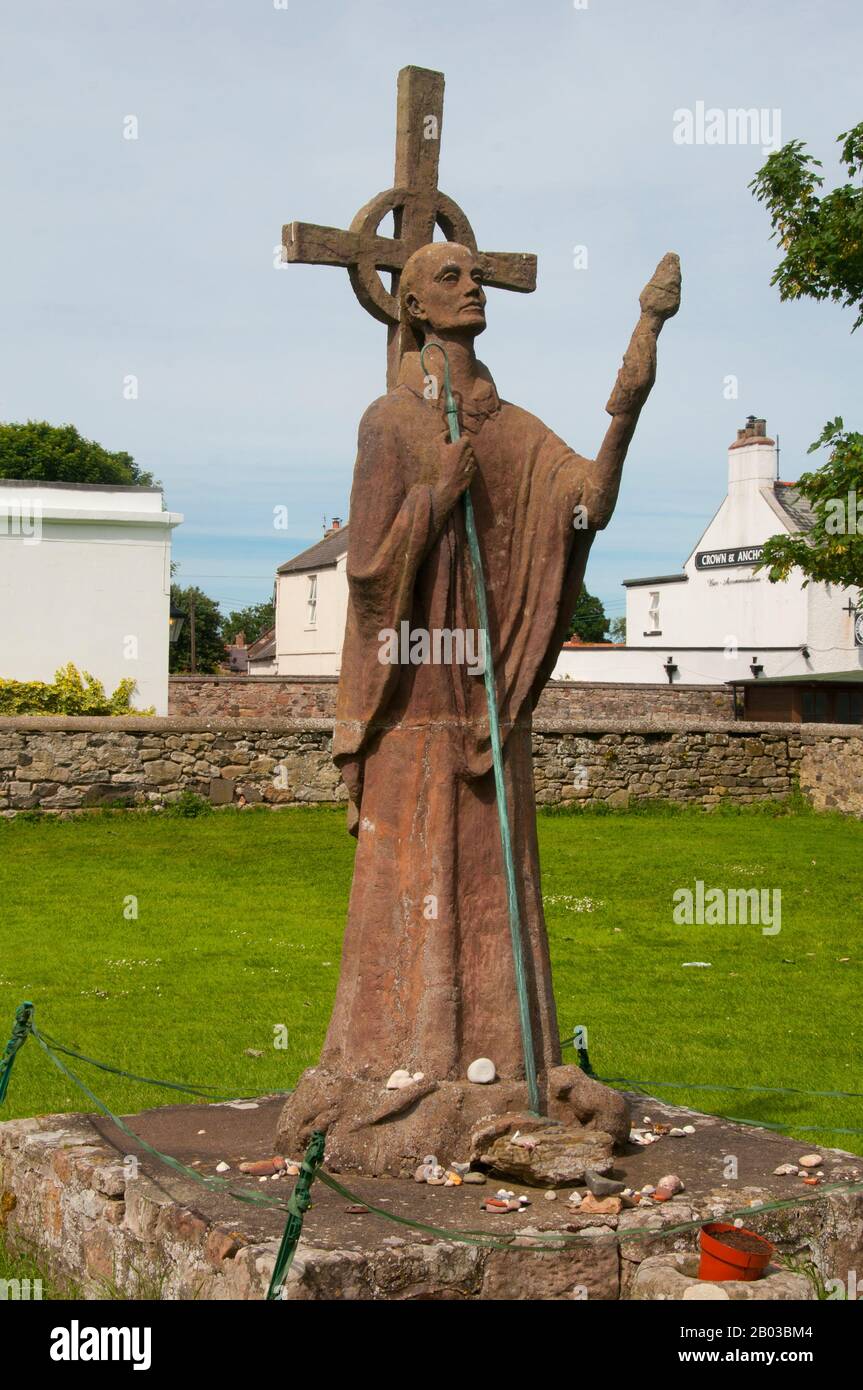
(720, 1260)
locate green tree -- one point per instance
(617, 630)
(588, 621)
(832, 551)
(253, 621)
(209, 643)
(821, 236)
(59, 454)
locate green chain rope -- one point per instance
(584, 1063)
(496, 754)
(24, 1027)
(711, 1086)
(208, 1093)
(251, 1198)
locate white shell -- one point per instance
(482, 1071)
(670, 1183)
(399, 1079)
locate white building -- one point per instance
(312, 607)
(720, 619)
(85, 576)
(262, 655)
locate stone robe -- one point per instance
(427, 980)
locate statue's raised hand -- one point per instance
(660, 298)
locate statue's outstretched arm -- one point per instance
(660, 300)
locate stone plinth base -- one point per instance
(378, 1132)
(96, 1212)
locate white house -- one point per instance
(720, 619)
(312, 607)
(85, 576)
(262, 654)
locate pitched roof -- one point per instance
(798, 508)
(656, 579)
(854, 676)
(322, 555)
(264, 647)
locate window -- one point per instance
(313, 600)
(653, 615)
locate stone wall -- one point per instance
(743, 762)
(74, 763)
(831, 771)
(598, 700)
(61, 764)
(243, 697)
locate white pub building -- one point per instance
(720, 619)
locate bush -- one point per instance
(70, 693)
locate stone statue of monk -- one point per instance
(427, 982)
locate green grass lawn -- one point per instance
(239, 925)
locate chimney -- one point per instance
(240, 639)
(752, 457)
(753, 429)
(336, 526)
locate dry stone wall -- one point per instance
(71, 764)
(299, 697)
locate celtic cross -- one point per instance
(417, 206)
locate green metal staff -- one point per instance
(496, 753)
(21, 1030)
(298, 1204)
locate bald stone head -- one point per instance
(441, 290)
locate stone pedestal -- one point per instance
(387, 1133)
(71, 1199)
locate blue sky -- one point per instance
(154, 257)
